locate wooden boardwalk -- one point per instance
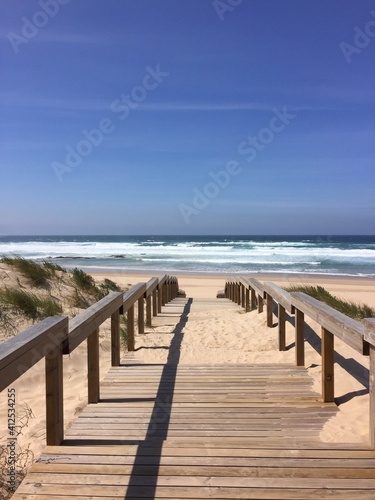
(202, 432)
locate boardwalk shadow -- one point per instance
(157, 431)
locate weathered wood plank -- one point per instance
(93, 376)
(345, 328)
(24, 350)
(328, 378)
(54, 396)
(82, 325)
(279, 295)
(115, 339)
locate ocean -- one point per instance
(329, 255)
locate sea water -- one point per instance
(330, 255)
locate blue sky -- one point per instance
(175, 91)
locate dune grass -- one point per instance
(349, 308)
(28, 304)
(36, 274)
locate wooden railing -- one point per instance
(55, 337)
(360, 336)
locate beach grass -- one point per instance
(28, 304)
(347, 307)
(36, 274)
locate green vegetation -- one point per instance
(28, 304)
(83, 281)
(110, 286)
(78, 287)
(349, 308)
(87, 291)
(53, 268)
(36, 274)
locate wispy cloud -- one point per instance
(23, 101)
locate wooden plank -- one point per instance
(130, 329)
(151, 286)
(247, 299)
(252, 299)
(347, 329)
(141, 315)
(279, 295)
(369, 333)
(93, 376)
(370, 338)
(328, 385)
(54, 396)
(19, 353)
(372, 396)
(82, 325)
(133, 294)
(155, 303)
(269, 304)
(115, 339)
(281, 328)
(149, 311)
(257, 286)
(300, 338)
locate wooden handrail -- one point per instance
(19, 353)
(57, 336)
(284, 304)
(82, 325)
(359, 336)
(340, 325)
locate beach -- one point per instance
(216, 332)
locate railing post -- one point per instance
(164, 294)
(299, 329)
(247, 299)
(115, 338)
(54, 396)
(160, 298)
(281, 327)
(141, 315)
(155, 303)
(243, 301)
(328, 386)
(130, 329)
(372, 396)
(149, 311)
(260, 304)
(269, 303)
(252, 298)
(93, 378)
(238, 293)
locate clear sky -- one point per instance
(187, 117)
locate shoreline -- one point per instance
(359, 290)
